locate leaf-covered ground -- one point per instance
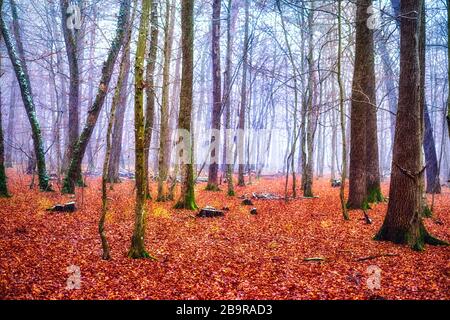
(240, 256)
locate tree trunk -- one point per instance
(362, 101)
(25, 88)
(403, 221)
(150, 90)
(117, 134)
(137, 249)
(241, 123)
(71, 41)
(164, 135)
(187, 196)
(10, 127)
(342, 115)
(94, 111)
(213, 178)
(432, 171)
(231, 22)
(3, 185)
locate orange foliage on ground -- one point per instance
(240, 256)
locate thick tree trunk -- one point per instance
(25, 88)
(94, 111)
(213, 177)
(187, 196)
(403, 222)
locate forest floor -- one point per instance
(239, 256)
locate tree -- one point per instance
(187, 196)
(123, 76)
(241, 123)
(403, 222)
(71, 41)
(150, 88)
(137, 249)
(117, 134)
(3, 178)
(342, 114)
(21, 72)
(164, 133)
(227, 88)
(213, 178)
(93, 113)
(363, 98)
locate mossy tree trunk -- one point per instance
(150, 90)
(187, 196)
(25, 89)
(81, 144)
(137, 249)
(403, 222)
(3, 178)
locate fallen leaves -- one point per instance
(238, 256)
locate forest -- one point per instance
(224, 150)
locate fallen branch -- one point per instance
(378, 256)
(314, 259)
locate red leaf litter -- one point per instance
(302, 249)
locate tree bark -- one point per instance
(187, 196)
(94, 111)
(71, 41)
(213, 177)
(3, 184)
(25, 88)
(150, 90)
(241, 123)
(403, 222)
(137, 249)
(164, 134)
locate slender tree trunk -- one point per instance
(164, 134)
(25, 88)
(137, 249)
(10, 127)
(403, 222)
(3, 178)
(432, 171)
(241, 123)
(213, 178)
(94, 110)
(150, 90)
(342, 115)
